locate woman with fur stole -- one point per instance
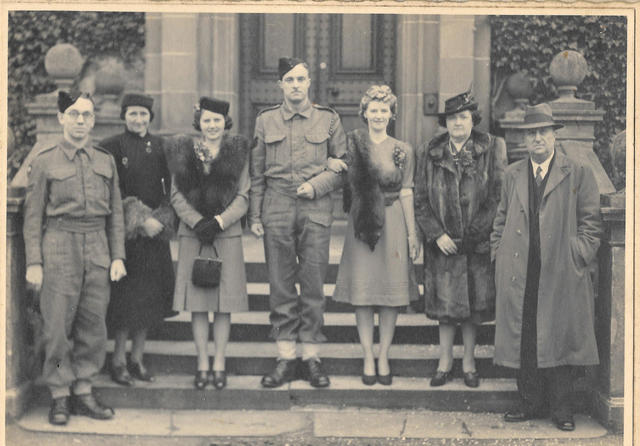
(458, 179)
(376, 267)
(143, 297)
(210, 194)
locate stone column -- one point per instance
(457, 58)
(218, 59)
(578, 116)
(610, 317)
(171, 74)
(417, 81)
(482, 69)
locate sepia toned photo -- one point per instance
(312, 224)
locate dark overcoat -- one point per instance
(459, 200)
(143, 297)
(569, 238)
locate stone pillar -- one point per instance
(482, 70)
(171, 74)
(218, 59)
(417, 81)
(578, 116)
(457, 58)
(20, 358)
(610, 317)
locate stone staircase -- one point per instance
(170, 353)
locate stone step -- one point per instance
(176, 392)
(339, 327)
(257, 358)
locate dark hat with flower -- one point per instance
(67, 98)
(141, 100)
(214, 105)
(286, 64)
(463, 101)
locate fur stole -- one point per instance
(136, 212)
(211, 193)
(362, 193)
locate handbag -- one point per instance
(206, 270)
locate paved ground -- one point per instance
(311, 426)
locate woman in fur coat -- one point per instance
(376, 267)
(458, 179)
(143, 297)
(210, 194)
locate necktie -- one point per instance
(538, 176)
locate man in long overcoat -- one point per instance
(545, 234)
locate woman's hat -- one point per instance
(539, 116)
(141, 100)
(461, 102)
(214, 105)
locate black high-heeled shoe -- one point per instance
(200, 380)
(441, 378)
(385, 380)
(218, 379)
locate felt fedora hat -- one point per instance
(539, 116)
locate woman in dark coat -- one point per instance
(210, 195)
(457, 190)
(143, 297)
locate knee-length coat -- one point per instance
(459, 199)
(569, 219)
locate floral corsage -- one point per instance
(399, 157)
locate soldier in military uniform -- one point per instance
(74, 242)
(291, 206)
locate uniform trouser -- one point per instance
(73, 302)
(296, 244)
(540, 389)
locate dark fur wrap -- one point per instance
(136, 212)
(362, 192)
(208, 194)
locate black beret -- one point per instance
(214, 105)
(286, 64)
(141, 100)
(67, 98)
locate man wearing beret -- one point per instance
(74, 242)
(545, 234)
(291, 206)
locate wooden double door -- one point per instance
(346, 54)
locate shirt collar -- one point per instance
(544, 165)
(287, 113)
(70, 150)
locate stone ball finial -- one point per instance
(568, 69)
(520, 87)
(63, 63)
(110, 78)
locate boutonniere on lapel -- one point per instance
(399, 157)
(465, 160)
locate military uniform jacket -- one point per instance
(68, 182)
(292, 148)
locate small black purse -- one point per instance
(206, 270)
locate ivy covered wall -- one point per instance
(32, 33)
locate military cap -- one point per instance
(67, 98)
(131, 99)
(286, 64)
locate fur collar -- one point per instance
(366, 199)
(437, 146)
(208, 193)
